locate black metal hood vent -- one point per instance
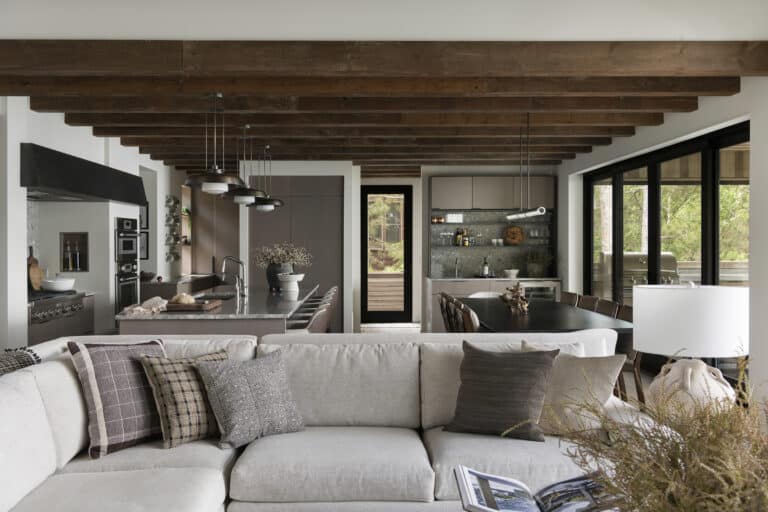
(51, 175)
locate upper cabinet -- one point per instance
(492, 192)
(495, 192)
(452, 193)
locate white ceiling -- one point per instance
(519, 20)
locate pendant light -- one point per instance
(214, 180)
(246, 195)
(267, 203)
(529, 212)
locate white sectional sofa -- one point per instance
(374, 406)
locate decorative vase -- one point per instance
(273, 269)
(689, 381)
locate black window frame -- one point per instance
(708, 145)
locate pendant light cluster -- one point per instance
(529, 212)
(215, 180)
(259, 197)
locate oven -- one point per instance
(126, 290)
(56, 314)
(126, 240)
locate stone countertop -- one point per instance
(493, 279)
(261, 305)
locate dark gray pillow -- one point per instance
(500, 390)
(250, 399)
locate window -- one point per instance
(676, 215)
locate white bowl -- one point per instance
(60, 284)
(288, 278)
(511, 273)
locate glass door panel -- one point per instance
(386, 257)
(734, 215)
(681, 219)
(602, 238)
(635, 231)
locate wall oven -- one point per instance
(127, 263)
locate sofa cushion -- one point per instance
(176, 345)
(335, 464)
(13, 359)
(27, 451)
(535, 464)
(353, 385)
(440, 362)
(152, 490)
(251, 399)
(121, 408)
(152, 455)
(64, 404)
(180, 397)
(347, 506)
(502, 392)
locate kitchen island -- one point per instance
(262, 313)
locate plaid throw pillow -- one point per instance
(13, 359)
(182, 403)
(121, 410)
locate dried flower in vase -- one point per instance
(515, 298)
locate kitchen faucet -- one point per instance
(456, 268)
(241, 283)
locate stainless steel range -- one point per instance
(52, 315)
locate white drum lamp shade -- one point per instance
(685, 321)
(214, 188)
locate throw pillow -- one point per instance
(13, 359)
(121, 410)
(251, 399)
(180, 397)
(502, 392)
(575, 348)
(577, 381)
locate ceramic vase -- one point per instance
(273, 269)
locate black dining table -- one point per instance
(543, 316)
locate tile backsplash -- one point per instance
(534, 257)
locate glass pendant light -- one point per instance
(530, 212)
(214, 180)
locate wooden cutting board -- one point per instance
(207, 305)
(35, 276)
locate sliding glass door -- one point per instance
(676, 215)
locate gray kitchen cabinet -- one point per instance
(542, 192)
(452, 192)
(495, 192)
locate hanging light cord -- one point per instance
(528, 165)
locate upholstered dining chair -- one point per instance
(607, 307)
(570, 298)
(624, 345)
(444, 299)
(470, 319)
(588, 302)
(455, 316)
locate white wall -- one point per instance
(713, 113)
(390, 20)
(351, 175)
(418, 237)
(19, 124)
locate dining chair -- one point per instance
(470, 319)
(588, 302)
(444, 299)
(624, 345)
(607, 307)
(570, 298)
(456, 316)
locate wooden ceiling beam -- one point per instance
(392, 157)
(376, 141)
(580, 86)
(474, 161)
(342, 150)
(340, 132)
(126, 58)
(294, 104)
(399, 119)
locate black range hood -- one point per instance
(51, 175)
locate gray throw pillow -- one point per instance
(250, 399)
(501, 391)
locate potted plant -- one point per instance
(280, 259)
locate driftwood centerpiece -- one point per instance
(515, 298)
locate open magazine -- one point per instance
(481, 492)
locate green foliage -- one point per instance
(385, 246)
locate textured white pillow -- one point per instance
(575, 348)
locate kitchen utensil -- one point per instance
(204, 305)
(60, 284)
(34, 271)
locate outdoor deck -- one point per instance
(385, 292)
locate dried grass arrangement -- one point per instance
(280, 254)
(709, 457)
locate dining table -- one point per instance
(543, 316)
